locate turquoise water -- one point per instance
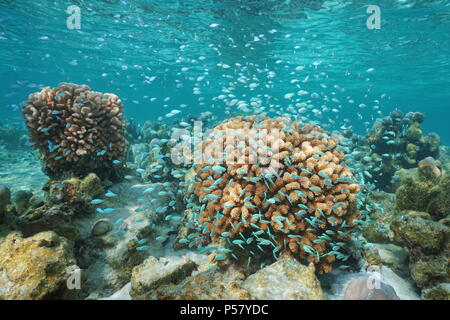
(147, 49)
(171, 62)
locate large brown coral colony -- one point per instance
(281, 185)
(75, 129)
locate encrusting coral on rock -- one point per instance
(396, 142)
(65, 200)
(77, 131)
(424, 196)
(275, 184)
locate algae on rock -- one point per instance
(35, 267)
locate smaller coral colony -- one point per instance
(75, 128)
(298, 192)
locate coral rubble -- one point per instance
(77, 131)
(153, 273)
(284, 279)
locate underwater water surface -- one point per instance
(158, 49)
(373, 74)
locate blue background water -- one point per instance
(122, 45)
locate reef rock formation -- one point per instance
(153, 273)
(77, 131)
(397, 142)
(424, 197)
(65, 200)
(428, 243)
(439, 292)
(286, 279)
(426, 188)
(421, 233)
(34, 268)
(273, 185)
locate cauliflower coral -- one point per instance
(272, 183)
(75, 129)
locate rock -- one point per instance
(34, 267)
(429, 169)
(21, 200)
(153, 273)
(445, 221)
(394, 257)
(109, 259)
(74, 190)
(57, 218)
(66, 202)
(409, 146)
(101, 227)
(90, 187)
(425, 189)
(415, 194)
(5, 197)
(429, 270)
(438, 292)
(418, 232)
(285, 279)
(36, 202)
(363, 288)
(372, 256)
(123, 256)
(204, 285)
(423, 215)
